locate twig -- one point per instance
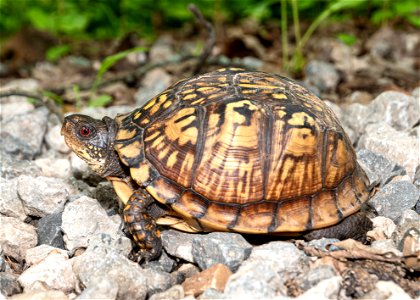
(40, 99)
(211, 39)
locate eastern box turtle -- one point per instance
(230, 150)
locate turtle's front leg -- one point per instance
(142, 225)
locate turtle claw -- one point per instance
(144, 255)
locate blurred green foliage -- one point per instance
(109, 19)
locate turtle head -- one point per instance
(93, 141)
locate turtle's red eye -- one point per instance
(85, 131)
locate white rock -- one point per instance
(282, 256)
(100, 288)
(10, 203)
(395, 145)
(255, 280)
(54, 167)
(37, 254)
(28, 128)
(18, 106)
(16, 237)
(43, 195)
(84, 218)
(398, 110)
(326, 289)
(54, 272)
(105, 264)
(55, 140)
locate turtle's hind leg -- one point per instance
(142, 225)
(354, 226)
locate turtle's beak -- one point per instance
(67, 127)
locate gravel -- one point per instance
(394, 199)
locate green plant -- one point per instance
(109, 61)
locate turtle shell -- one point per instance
(243, 151)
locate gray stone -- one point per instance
(11, 167)
(37, 254)
(378, 168)
(174, 293)
(28, 129)
(84, 218)
(54, 167)
(230, 249)
(178, 244)
(409, 217)
(394, 145)
(394, 198)
(255, 280)
(398, 110)
(55, 140)
(322, 75)
(100, 288)
(157, 281)
(164, 263)
(54, 272)
(13, 146)
(49, 230)
(119, 244)
(155, 82)
(316, 275)
(325, 289)
(16, 237)
(19, 106)
(355, 117)
(42, 195)
(99, 262)
(10, 204)
(282, 256)
(9, 285)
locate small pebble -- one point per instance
(229, 249)
(84, 218)
(53, 272)
(214, 277)
(16, 237)
(394, 198)
(178, 244)
(43, 195)
(49, 230)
